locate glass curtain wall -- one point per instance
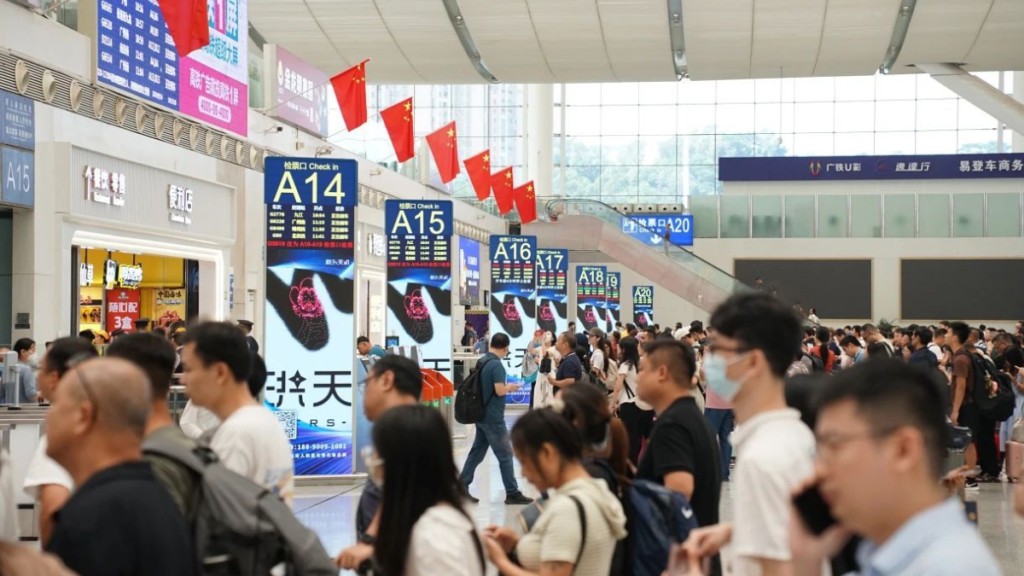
(660, 142)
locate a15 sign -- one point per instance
(17, 171)
(310, 181)
(418, 217)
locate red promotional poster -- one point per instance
(123, 309)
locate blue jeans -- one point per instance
(722, 423)
(495, 436)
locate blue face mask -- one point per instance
(715, 368)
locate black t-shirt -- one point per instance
(369, 502)
(123, 522)
(682, 441)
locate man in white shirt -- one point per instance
(249, 441)
(756, 338)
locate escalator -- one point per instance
(584, 225)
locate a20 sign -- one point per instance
(643, 296)
(418, 218)
(310, 181)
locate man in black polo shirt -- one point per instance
(570, 368)
(120, 520)
(682, 453)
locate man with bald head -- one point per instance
(120, 520)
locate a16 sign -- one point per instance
(418, 218)
(310, 181)
(514, 249)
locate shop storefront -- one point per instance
(143, 243)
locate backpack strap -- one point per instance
(190, 459)
(583, 531)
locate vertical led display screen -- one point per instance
(469, 272)
(513, 302)
(643, 306)
(420, 278)
(553, 290)
(613, 306)
(590, 297)
(310, 347)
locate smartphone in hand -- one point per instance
(813, 510)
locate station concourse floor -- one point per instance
(330, 510)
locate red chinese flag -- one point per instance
(526, 202)
(478, 168)
(501, 184)
(188, 24)
(398, 120)
(350, 90)
(445, 150)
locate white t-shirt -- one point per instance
(252, 443)
(630, 397)
(196, 420)
(43, 470)
(597, 360)
(8, 501)
(935, 350)
(774, 453)
(455, 554)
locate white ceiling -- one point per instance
(552, 41)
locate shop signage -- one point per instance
(552, 290)
(85, 274)
(109, 274)
(129, 276)
(179, 203)
(590, 295)
(135, 54)
(310, 300)
(643, 306)
(469, 272)
(944, 166)
(17, 140)
(651, 229)
(419, 274)
(301, 92)
(612, 305)
(104, 187)
(123, 309)
(512, 306)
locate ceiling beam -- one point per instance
(466, 39)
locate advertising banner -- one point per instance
(310, 328)
(643, 306)
(297, 91)
(652, 229)
(590, 297)
(123, 309)
(553, 290)
(469, 272)
(420, 279)
(613, 307)
(135, 54)
(936, 166)
(513, 303)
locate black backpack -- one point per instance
(817, 366)
(469, 397)
(993, 390)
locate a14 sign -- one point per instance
(310, 181)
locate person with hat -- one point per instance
(246, 326)
(143, 324)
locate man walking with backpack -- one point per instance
(965, 410)
(492, 432)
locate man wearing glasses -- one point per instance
(756, 337)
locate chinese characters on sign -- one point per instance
(643, 306)
(652, 229)
(123, 309)
(513, 302)
(552, 290)
(17, 141)
(180, 204)
(945, 166)
(129, 276)
(104, 187)
(612, 306)
(590, 295)
(301, 93)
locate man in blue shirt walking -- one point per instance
(492, 432)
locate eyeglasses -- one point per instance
(369, 376)
(828, 444)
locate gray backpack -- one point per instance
(240, 526)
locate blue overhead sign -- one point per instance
(134, 51)
(946, 166)
(651, 228)
(17, 121)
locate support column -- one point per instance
(1003, 108)
(540, 131)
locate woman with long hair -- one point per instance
(421, 498)
(599, 358)
(577, 531)
(822, 335)
(605, 441)
(636, 415)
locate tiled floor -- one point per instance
(330, 510)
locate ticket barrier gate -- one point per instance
(20, 432)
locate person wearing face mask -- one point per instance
(756, 338)
(27, 361)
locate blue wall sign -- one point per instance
(19, 179)
(947, 166)
(134, 51)
(678, 226)
(613, 306)
(17, 121)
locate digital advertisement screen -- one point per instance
(591, 289)
(136, 54)
(310, 343)
(420, 278)
(469, 272)
(513, 308)
(613, 307)
(643, 306)
(553, 290)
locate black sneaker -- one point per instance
(987, 478)
(472, 498)
(971, 484)
(518, 499)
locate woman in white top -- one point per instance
(577, 531)
(424, 530)
(543, 386)
(636, 415)
(599, 354)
